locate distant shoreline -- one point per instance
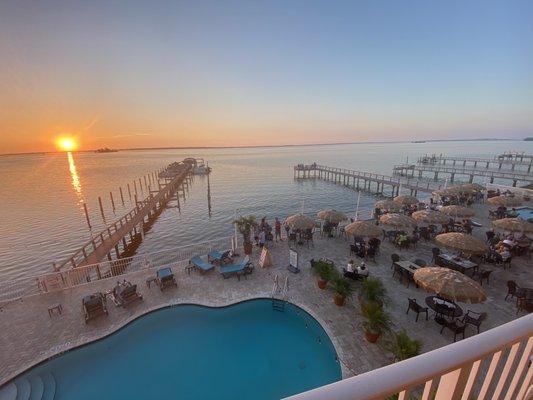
(421, 141)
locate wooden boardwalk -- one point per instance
(367, 181)
(512, 164)
(414, 169)
(132, 224)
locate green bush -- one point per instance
(324, 270)
(403, 347)
(376, 319)
(341, 286)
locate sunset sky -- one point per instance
(234, 73)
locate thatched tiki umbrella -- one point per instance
(457, 211)
(462, 189)
(430, 217)
(388, 206)
(406, 200)
(449, 284)
(506, 201)
(474, 186)
(513, 225)
(397, 221)
(363, 229)
(331, 216)
(462, 242)
(299, 222)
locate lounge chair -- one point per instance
(165, 278)
(200, 264)
(244, 267)
(94, 305)
(125, 293)
(219, 257)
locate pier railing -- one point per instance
(494, 364)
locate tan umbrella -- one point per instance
(388, 206)
(462, 242)
(506, 201)
(457, 211)
(299, 222)
(449, 284)
(474, 186)
(397, 220)
(513, 225)
(331, 216)
(446, 192)
(462, 189)
(363, 229)
(430, 217)
(406, 200)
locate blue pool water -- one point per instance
(525, 213)
(246, 351)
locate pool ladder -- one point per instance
(279, 294)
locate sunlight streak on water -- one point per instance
(76, 183)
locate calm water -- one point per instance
(192, 352)
(42, 219)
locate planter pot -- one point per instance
(371, 336)
(247, 248)
(339, 300)
(363, 303)
(322, 283)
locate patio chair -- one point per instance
(420, 262)
(219, 257)
(406, 277)
(94, 305)
(125, 293)
(474, 318)
(482, 275)
(292, 238)
(353, 249)
(417, 308)
(165, 278)
(396, 270)
(200, 264)
(435, 251)
(394, 258)
(524, 304)
(244, 267)
(512, 288)
(425, 234)
(456, 327)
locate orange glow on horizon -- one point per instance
(66, 143)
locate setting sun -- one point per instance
(66, 144)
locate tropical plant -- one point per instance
(245, 226)
(341, 286)
(372, 291)
(324, 270)
(377, 320)
(403, 347)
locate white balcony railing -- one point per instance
(495, 364)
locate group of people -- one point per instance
(501, 249)
(355, 272)
(263, 232)
(363, 249)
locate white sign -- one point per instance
(293, 258)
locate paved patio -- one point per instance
(29, 335)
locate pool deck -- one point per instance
(30, 336)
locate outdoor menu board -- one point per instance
(266, 258)
(293, 259)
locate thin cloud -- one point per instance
(123, 135)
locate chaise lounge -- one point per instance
(244, 267)
(200, 264)
(94, 305)
(165, 278)
(220, 257)
(125, 293)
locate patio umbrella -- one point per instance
(513, 225)
(462, 242)
(462, 189)
(430, 217)
(331, 216)
(457, 211)
(363, 229)
(388, 206)
(397, 221)
(299, 222)
(449, 284)
(446, 192)
(406, 200)
(474, 186)
(506, 201)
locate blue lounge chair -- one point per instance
(244, 267)
(219, 257)
(202, 265)
(165, 278)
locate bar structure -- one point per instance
(365, 181)
(122, 237)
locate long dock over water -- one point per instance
(366, 181)
(132, 225)
(524, 164)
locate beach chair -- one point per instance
(200, 264)
(244, 267)
(125, 293)
(219, 257)
(165, 278)
(94, 305)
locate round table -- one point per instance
(442, 311)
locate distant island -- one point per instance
(529, 139)
(105, 150)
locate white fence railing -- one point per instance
(495, 364)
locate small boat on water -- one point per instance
(105, 150)
(199, 166)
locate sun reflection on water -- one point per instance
(76, 184)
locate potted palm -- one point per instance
(403, 347)
(324, 272)
(342, 288)
(245, 226)
(372, 291)
(376, 321)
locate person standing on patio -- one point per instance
(262, 238)
(277, 229)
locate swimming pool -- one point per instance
(247, 351)
(525, 213)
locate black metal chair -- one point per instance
(474, 318)
(482, 275)
(395, 258)
(512, 288)
(435, 251)
(413, 305)
(456, 327)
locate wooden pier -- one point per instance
(410, 170)
(499, 164)
(364, 180)
(132, 225)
